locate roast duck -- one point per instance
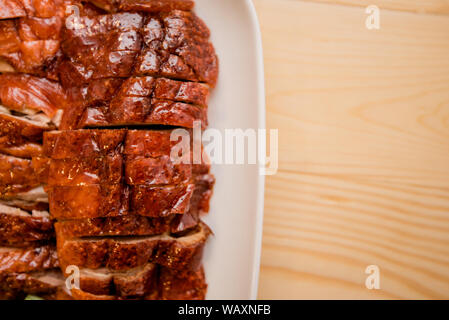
(90, 94)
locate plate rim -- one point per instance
(261, 107)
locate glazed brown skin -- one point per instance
(23, 231)
(144, 5)
(35, 57)
(148, 143)
(32, 28)
(127, 225)
(187, 285)
(91, 201)
(137, 111)
(93, 175)
(32, 8)
(87, 164)
(34, 35)
(115, 89)
(11, 9)
(106, 47)
(30, 44)
(187, 56)
(41, 167)
(28, 259)
(19, 137)
(123, 254)
(177, 46)
(156, 171)
(134, 283)
(78, 294)
(74, 172)
(24, 150)
(83, 144)
(171, 285)
(96, 201)
(154, 201)
(16, 175)
(9, 37)
(137, 100)
(30, 283)
(157, 5)
(16, 171)
(26, 205)
(20, 92)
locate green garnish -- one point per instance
(31, 297)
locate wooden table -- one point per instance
(363, 119)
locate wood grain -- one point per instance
(419, 6)
(363, 119)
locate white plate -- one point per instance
(232, 256)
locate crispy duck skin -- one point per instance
(127, 225)
(29, 45)
(105, 46)
(16, 171)
(25, 150)
(23, 260)
(22, 136)
(182, 285)
(78, 294)
(26, 205)
(179, 50)
(98, 201)
(108, 170)
(83, 144)
(9, 37)
(137, 111)
(11, 9)
(36, 283)
(86, 164)
(177, 46)
(16, 176)
(156, 6)
(156, 201)
(31, 8)
(144, 5)
(171, 285)
(116, 89)
(41, 166)
(123, 253)
(137, 100)
(204, 185)
(148, 143)
(37, 57)
(74, 172)
(29, 95)
(95, 201)
(20, 228)
(137, 282)
(32, 29)
(91, 201)
(156, 171)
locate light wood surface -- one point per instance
(363, 119)
(420, 6)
